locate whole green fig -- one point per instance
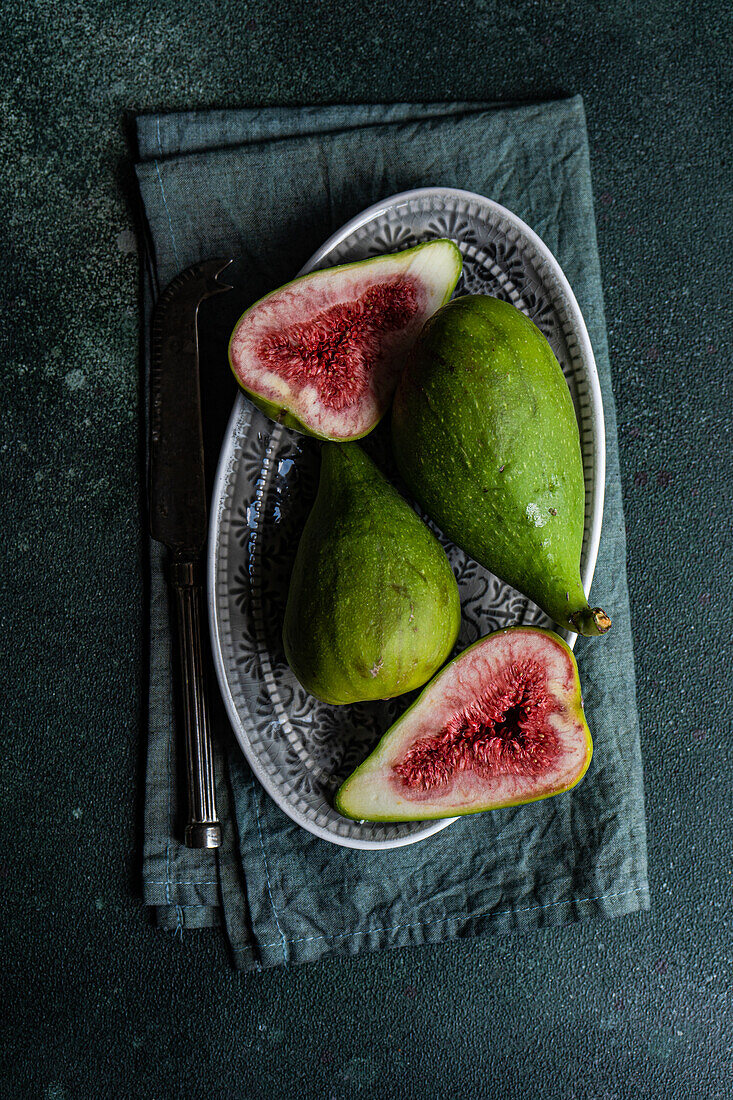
(373, 608)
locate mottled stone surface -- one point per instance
(104, 1004)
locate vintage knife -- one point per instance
(177, 497)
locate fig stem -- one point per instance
(590, 621)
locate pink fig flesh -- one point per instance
(332, 350)
(324, 353)
(501, 725)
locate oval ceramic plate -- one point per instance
(301, 749)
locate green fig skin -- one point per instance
(373, 608)
(485, 437)
(282, 416)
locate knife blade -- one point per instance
(178, 515)
(177, 487)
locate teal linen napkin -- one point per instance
(270, 185)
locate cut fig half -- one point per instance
(324, 353)
(501, 725)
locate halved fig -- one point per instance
(324, 353)
(501, 725)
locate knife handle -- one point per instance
(202, 828)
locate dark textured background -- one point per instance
(98, 1002)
